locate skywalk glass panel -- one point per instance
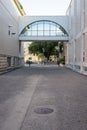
(53, 26)
(34, 27)
(46, 33)
(43, 28)
(40, 33)
(46, 25)
(29, 33)
(34, 33)
(40, 26)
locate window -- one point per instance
(44, 28)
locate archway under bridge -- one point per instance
(34, 58)
(43, 28)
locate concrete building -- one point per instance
(77, 47)
(28, 55)
(10, 54)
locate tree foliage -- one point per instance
(46, 47)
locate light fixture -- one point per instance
(10, 26)
(10, 30)
(13, 33)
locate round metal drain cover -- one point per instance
(42, 110)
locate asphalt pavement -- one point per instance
(43, 97)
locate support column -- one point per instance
(74, 33)
(21, 52)
(83, 35)
(82, 42)
(74, 58)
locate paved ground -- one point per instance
(27, 94)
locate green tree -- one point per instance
(48, 48)
(40, 55)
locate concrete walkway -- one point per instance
(43, 98)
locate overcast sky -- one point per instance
(45, 7)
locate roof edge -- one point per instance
(19, 7)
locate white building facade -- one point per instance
(77, 46)
(10, 55)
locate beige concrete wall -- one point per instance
(3, 63)
(27, 55)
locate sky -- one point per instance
(45, 7)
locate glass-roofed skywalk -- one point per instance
(43, 30)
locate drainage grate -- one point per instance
(42, 110)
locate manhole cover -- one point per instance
(42, 110)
